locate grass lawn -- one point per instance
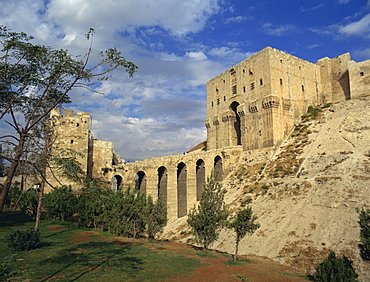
(70, 254)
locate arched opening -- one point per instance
(200, 177)
(115, 183)
(238, 133)
(140, 182)
(218, 168)
(162, 184)
(181, 190)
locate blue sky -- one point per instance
(178, 46)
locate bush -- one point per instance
(364, 222)
(156, 217)
(335, 269)
(125, 214)
(23, 240)
(60, 204)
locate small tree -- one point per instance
(156, 217)
(364, 216)
(243, 223)
(210, 216)
(334, 269)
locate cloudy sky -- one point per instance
(178, 46)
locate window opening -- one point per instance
(234, 89)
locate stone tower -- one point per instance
(71, 132)
(255, 103)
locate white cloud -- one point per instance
(359, 28)
(278, 30)
(363, 54)
(179, 17)
(198, 56)
(237, 19)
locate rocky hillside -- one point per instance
(305, 194)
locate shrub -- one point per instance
(60, 204)
(335, 269)
(125, 215)
(156, 217)
(23, 240)
(364, 222)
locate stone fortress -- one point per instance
(251, 108)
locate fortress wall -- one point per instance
(129, 171)
(359, 77)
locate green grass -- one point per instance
(93, 258)
(238, 261)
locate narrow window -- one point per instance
(224, 98)
(303, 88)
(218, 101)
(261, 82)
(252, 85)
(233, 90)
(212, 104)
(71, 141)
(281, 81)
(244, 89)
(362, 73)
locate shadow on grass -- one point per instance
(14, 218)
(84, 258)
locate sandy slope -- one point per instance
(308, 191)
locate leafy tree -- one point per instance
(243, 223)
(60, 204)
(334, 269)
(156, 217)
(210, 215)
(94, 199)
(34, 79)
(364, 222)
(125, 215)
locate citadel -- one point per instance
(251, 108)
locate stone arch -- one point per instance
(140, 182)
(200, 177)
(162, 184)
(181, 190)
(115, 182)
(237, 124)
(217, 167)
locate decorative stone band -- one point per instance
(228, 116)
(270, 101)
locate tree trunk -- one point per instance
(236, 249)
(12, 170)
(39, 204)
